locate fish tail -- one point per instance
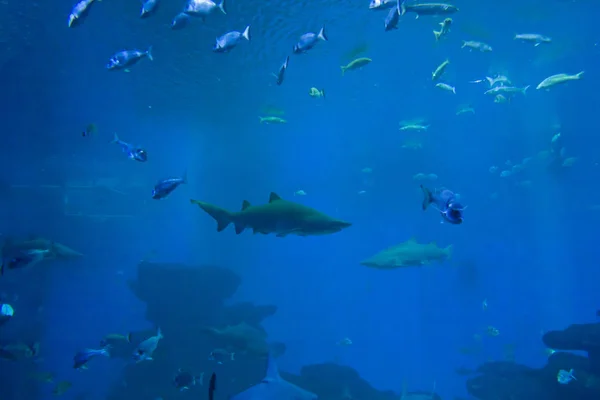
(402, 8)
(525, 89)
(246, 33)
(343, 70)
(579, 75)
(184, 178)
(437, 35)
(115, 138)
(149, 53)
(261, 119)
(323, 93)
(221, 215)
(221, 6)
(128, 337)
(159, 333)
(427, 199)
(322, 35)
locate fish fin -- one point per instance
(323, 93)
(402, 8)
(221, 215)
(437, 35)
(261, 119)
(464, 43)
(221, 6)
(184, 177)
(245, 205)
(448, 250)
(525, 89)
(426, 197)
(343, 70)
(579, 74)
(536, 45)
(159, 333)
(274, 197)
(246, 34)
(272, 370)
(232, 356)
(115, 138)
(239, 227)
(128, 336)
(322, 35)
(149, 53)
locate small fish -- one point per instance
(272, 120)
(558, 79)
(491, 331)
(446, 87)
(299, 193)
(569, 162)
(309, 40)
(146, 348)
(164, 188)
(427, 8)
(133, 152)
(499, 99)
(22, 258)
(61, 388)
(484, 305)
(203, 8)
(439, 71)
(381, 4)
(393, 17)
(316, 93)
(344, 342)
(501, 79)
(180, 21)
(355, 64)
(82, 357)
(446, 202)
(445, 28)
(555, 138)
(413, 127)
(127, 58)
(148, 8)
(281, 73)
(474, 45)
(115, 337)
(535, 38)
(90, 130)
(564, 377)
(493, 169)
(220, 355)
(510, 90)
(184, 380)
(79, 13)
(231, 39)
(465, 110)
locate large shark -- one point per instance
(408, 254)
(274, 387)
(278, 216)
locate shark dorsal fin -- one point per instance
(272, 370)
(274, 197)
(245, 205)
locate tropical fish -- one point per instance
(446, 203)
(133, 152)
(231, 39)
(82, 357)
(79, 12)
(427, 8)
(280, 76)
(445, 28)
(148, 8)
(165, 187)
(184, 380)
(535, 38)
(203, 8)
(309, 40)
(127, 58)
(439, 71)
(558, 79)
(272, 120)
(355, 64)
(180, 21)
(146, 348)
(316, 93)
(278, 216)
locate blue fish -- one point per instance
(202, 8)
(126, 58)
(148, 8)
(82, 357)
(446, 202)
(180, 21)
(309, 40)
(281, 73)
(393, 17)
(133, 152)
(145, 350)
(564, 377)
(231, 39)
(79, 12)
(166, 186)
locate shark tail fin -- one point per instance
(272, 370)
(427, 199)
(221, 215)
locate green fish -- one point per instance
(355, 64)
(278, 216)
(272, 120)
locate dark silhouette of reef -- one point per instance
(510, 381)
(190, 304)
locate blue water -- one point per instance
(534, 248)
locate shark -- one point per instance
(278, 216)
(409, 254)
(274, 387)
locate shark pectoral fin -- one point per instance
(274, 197)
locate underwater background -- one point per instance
(523, 262)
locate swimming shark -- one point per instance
(278, 216)
(274, 387)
